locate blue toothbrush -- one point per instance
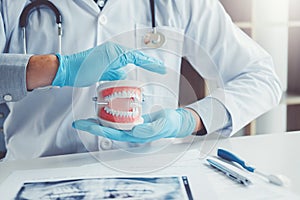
(275, 179)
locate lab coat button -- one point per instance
(1, 115)
(102, 19)
(106, 144)
(7, 97)
(101, 3)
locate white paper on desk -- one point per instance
(205, 183)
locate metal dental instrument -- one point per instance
(95, 99)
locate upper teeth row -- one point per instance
(123, 94)
(117, 113)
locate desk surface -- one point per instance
(273, 153)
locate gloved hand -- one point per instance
(167, 123)
(103, 62)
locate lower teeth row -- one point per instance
(121, 113)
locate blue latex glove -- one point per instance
(167, 123)
(103, 62)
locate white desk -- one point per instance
(273, 153)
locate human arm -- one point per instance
(12, 68)
(13, 77)
(199, 125)
(59, 70)
(41, 70)
(21, 72)
(246, 83)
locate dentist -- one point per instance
(41, 122)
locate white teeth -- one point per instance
(117, 113)
(122, 114)
(123, 94)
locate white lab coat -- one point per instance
(200, 30)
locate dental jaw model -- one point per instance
(118, 104)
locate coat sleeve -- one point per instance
(246, 85)
(12, 67)
(13, 77)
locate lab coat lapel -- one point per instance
(88, 5)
